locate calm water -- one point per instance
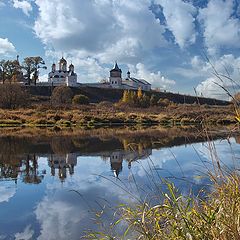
(38, 174)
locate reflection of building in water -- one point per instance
(117, 157)
(62, 163)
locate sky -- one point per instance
(174, 44)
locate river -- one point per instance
(53, 182)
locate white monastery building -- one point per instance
(62, 75)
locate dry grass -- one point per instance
(215, 215)
(109, 114)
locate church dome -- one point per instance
(62, 60)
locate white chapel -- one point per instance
(62, 75)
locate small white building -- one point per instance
(62, 76)
(137, 83)
(116, 81)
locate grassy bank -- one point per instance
(214, 216)
(108, 114)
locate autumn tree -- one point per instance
(31, 66)
(12, 96)
(10, 71)
(125, 97)
(62, 95)
(139, 93)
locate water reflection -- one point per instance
(62, 165)
(38, 173)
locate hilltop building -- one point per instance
(62, 75)
(116, 80)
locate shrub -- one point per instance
(163, 102)
(144, 101)
(153, 100)
(62, 95)
(80, 99)
(12, 96)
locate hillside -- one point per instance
(97, 95)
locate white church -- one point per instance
(67, 77)
(62, 75)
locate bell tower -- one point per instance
(116, 77)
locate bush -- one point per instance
(153, 100)
(62, 95)
(144, 101)
(80, 99)
(12, 96)
(164, 102)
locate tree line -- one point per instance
(12, 71)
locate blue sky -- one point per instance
(162, 41)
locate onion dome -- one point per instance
(62, 60)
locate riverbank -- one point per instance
(109, 114)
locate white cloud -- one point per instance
(103, 29)
(158, 79)
(227, 66)
(90, 70)
(57, 220)
(180, 20)
(220, 28)
(6, 47)
(6, 192)
(27, 234)
(25, 6)
(43, 78)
